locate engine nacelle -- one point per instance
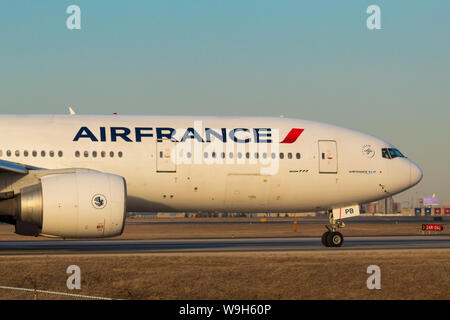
(76, 205)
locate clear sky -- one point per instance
(307, 59)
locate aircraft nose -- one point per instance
(415, 174)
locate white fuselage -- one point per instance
(199, 169)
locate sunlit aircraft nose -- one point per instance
(415, 174)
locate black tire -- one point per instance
(335, 239)
(324, 239)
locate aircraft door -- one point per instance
(327, 156)
(166, 156)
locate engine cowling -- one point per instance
(76, 205)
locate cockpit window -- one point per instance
(395, 153)
(391, 153)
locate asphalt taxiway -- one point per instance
(220, 245)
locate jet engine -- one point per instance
(71, 205)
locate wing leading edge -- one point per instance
(12, 167)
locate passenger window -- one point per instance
(8, 153)
(42, 153)
(25, 153)
(77, 154)
(289, 155)
(297, 155)
(17, 153)
(104, 153)
(51, 154)
(111, 154)
(281, 155)
(60, 154)
(86, 154)
(94, 154)
(34, 153)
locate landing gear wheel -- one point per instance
(332, 238)
(324, 239)
(335, 239)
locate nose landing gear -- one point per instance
(333, 238)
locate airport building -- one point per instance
(386, 206)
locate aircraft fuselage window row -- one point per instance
(52, 153)
(240, 155)
(34, 153)
(96, 154)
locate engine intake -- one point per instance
(73, 205)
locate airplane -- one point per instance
(76, 176)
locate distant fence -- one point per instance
(38, 293)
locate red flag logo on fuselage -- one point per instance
(293, 135)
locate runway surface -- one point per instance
(218, 245)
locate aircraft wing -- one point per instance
(9, 166)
